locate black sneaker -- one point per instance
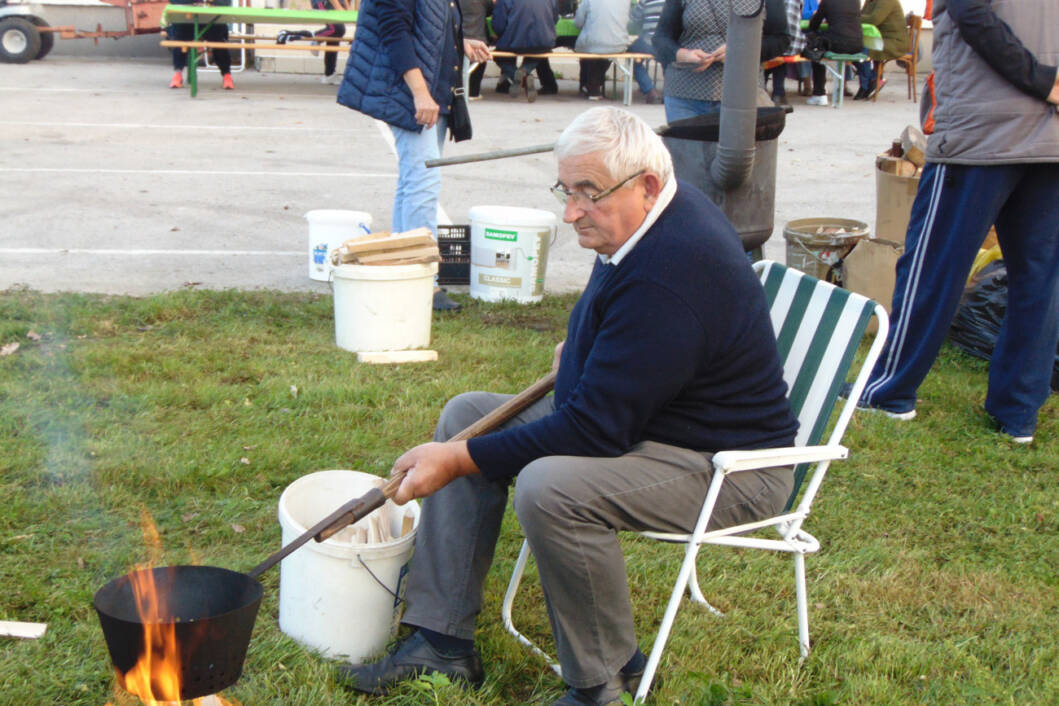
(410, 658)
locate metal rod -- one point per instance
(484, 156)
(502, 154)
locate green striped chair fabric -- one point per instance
(818, 329)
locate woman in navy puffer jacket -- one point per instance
(403, 67)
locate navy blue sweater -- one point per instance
(673, 345)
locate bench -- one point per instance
(622, 62)
(203, 17)
(837, 68)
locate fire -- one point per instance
(155, 678)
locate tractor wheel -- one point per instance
(19, 40)
(47, 39)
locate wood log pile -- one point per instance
(906, 155)
(413, 247)
(377, 527)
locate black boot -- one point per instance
(410, 658)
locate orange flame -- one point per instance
(155, 678)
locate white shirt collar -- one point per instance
(664, 197)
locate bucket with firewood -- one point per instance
(343, 596)
(384, 288)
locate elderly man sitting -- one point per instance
(669, 357)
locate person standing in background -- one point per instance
(332, 30)
(992, 158)
(475, 27)
(889, 18)
(690, 43)
(404, 68)
(644, 20)
(604, 30)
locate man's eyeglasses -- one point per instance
(564, 194)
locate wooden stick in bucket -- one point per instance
(501, 415)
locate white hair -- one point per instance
(626, 143)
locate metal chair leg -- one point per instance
(803, 604)
(509, 599)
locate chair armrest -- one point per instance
(736, 461)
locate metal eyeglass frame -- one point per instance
(564, 195)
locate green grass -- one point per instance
(936, 583)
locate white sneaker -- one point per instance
(332, 80)
(817, 100)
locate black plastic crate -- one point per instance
(454, 242)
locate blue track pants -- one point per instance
(953, 210)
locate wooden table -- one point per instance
(204, 17)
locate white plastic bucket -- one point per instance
(328, 598)
(329, 228)
(383, 307)
(509, 252)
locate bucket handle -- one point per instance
(386, 588)
(832, 273)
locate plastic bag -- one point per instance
(976, 325)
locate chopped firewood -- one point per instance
(914, 145)
(425, 260)
(401, 254)
(28, 631)
(895, 165)
(411, 238)
(411, 247)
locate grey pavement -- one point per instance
(111, 182)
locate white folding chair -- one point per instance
(818, 328)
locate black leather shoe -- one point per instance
(608, 694)
(412, 657)
(443, 303)
(862, 93)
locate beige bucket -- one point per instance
(817, 253)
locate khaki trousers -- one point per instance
(571, 509)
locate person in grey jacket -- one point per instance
(604, 30)
(992, 158)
